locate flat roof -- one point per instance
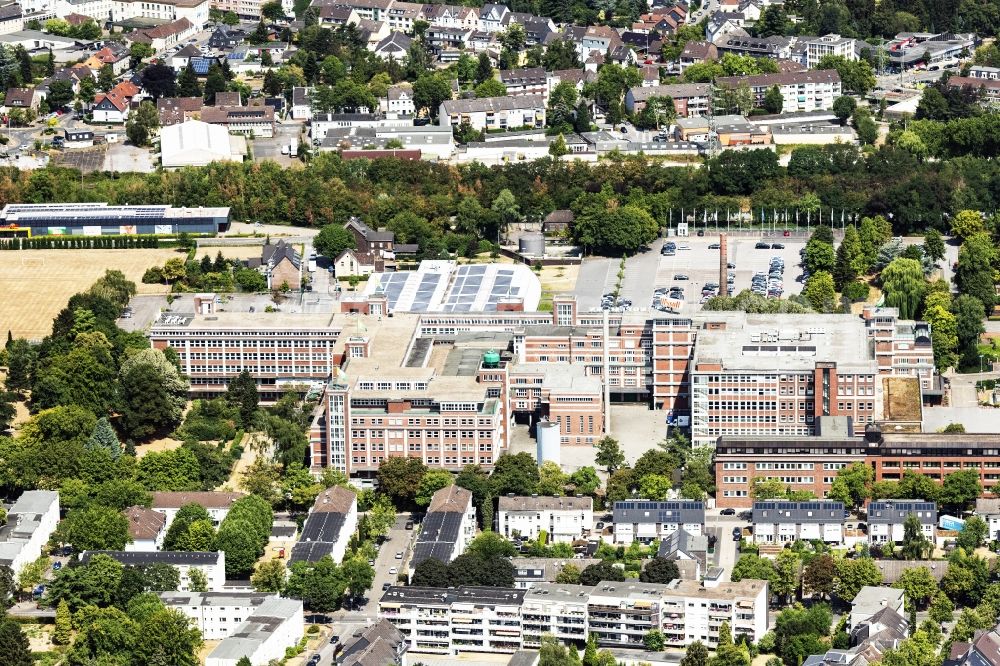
(756, 341)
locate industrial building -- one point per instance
(101, 219)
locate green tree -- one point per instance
(179, 526)
(843, 108)
(514, 473)
(197, 581)
(933, 245)
(142, 124)
(615, 231)
(431, 482)
(904, 286)
(188, 84)
(595, 573)
(659, 570)
(215, 83)
(489, 545)
(94, 528)
(850, 262)
(64, 625)
(918, 585)
(820, 292)
(819, 255)
(358, 575)
(13, 643)
(609, 454)
(585, 480)
(104, 437)
(272, 11)
(696, 654)
(569, 575)
(167, 637)
(854, 574)
(60, 94)
(400, 478)
(551, 652)
(960, 489)
(752, 567)
(973, 534)
(154, 393)
(974, 275)
(558, 148)
(945, 338)
(967, 223)
(269, 576)
(333, 239)
(242, 393)
(942, 608)
(856, 76)
(551, 480)
(654, 640)
(774, 101)
(484, 70)
(819, 576)
(491, 88)
(174, 470)
(431, 573)
(429, 90)
(655, 487)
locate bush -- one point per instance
(153, 275)
(856, 291)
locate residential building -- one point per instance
(217, 615)
(830, 45)
(563, 519)
(555, 609)
(255, 121)
(351, 262)
(885, 630)
(531, 571)
(163, 36)
(110, 107)
(688, 551)
(492, 113)
(987, 88)
(275, 626)
(325, 123)
(176, 110)
(870, 600)
(225, 37)
(146, 527)
(78, 138)
(11, 18)
(558, 221)
(690, 99)
(217, 503)
(775, 47)
(380, 644)
(393, 46)
(735, 130)
(212, 565)
(21, 98)
(214, 347)
(802, 91)
(102, 219)
(988, 508)
(695, 129)
(30, 522)
(648, 520)
(525, 81)
(982, 650)
(493, 18)
(449, 621)
(282, 265)
(371, 241)
(697, 52)
(448, 527)
(723, 23)
(399, 102)
(886, 519)
(329, 527)
(780, 522)
(620, 614)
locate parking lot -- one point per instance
(270, 148)
(693, 259)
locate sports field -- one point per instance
(36, 284)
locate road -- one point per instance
(725, 547)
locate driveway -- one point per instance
(399, 540)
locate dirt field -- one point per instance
(37, 283)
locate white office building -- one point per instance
(30, 523)
(563, 519)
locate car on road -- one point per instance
(684, 246)
(56, 566)
(399, 554)
(737, 533)
(714, 246)
(393, 570)
(334, 639)
(409, 525)
(777, 246)
(371, 563)
(761, 245)
(728, 512)
(313, 660)
(386, 586)
(681, 276)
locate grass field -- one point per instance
(36, 284)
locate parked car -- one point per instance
(728, 512)
(393, 570)
(777, 246)
(714, 246)
(399, 554)
(681, 276)
(761, 245)
(409, 525)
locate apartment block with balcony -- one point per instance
(494, 113)
(450, 621)
(648, 520)
(833, 45)
(555, 609)
(802, 91)
(780, 522)
(563, 519)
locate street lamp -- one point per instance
(980, 363)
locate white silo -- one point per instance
(548, 438)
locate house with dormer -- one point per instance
(493, 18)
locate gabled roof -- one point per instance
(207, 499)
(188, 51)
(394, 41)
(111, 98)
(450, 499)
(278, 252)
(19, 97)
(144, 524)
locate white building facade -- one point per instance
(563, 519)
(30, 522)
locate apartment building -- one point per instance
(214, 347)
(871, 600)
(739, 387)
(987, 88)
(531, 571)
(213, 565)
(453, 620)
(988, 508)
(146, 528)
(620, 614)
(830, 45)
(448, 527)
(555, 609)
(647, 520)
(691, 100)
(886, 518)
(380, 644)
(253, 121)
(525, 81)
(492, 113)
(563, 519)
(215, 614)
(802, 91)
(276, 625)
(30, 522)
(329, 527)
(249, 10)
(196, 11)
(217, 503)
(779, 522)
